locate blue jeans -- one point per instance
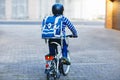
(53, 47)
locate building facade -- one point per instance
(37, 9)
(113, 14)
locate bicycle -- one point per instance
(55, 64)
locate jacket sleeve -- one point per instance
(70, 26)
(43, 22)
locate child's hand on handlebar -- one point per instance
(72, 36)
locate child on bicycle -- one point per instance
(57, 10)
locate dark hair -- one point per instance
(57, 9)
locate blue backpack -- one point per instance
(52, 27)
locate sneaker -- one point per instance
(65, 61)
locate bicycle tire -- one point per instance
(51, 74)
(65, 68)
(50, 77)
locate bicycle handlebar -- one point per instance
(71, 36)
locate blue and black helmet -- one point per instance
(57, 9)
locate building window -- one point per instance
(19, 9)
(2, 8)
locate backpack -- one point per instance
(52, 27)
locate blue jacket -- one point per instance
(66, 23)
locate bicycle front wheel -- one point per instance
(65, 68)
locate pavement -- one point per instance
(95, 54)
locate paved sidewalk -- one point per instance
(95, 54)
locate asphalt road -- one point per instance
(95, 54)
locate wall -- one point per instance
(113, 14)
(38, 9)
(116, 14)
(109, 11)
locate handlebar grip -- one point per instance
(72, 36)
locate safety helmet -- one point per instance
(57, 9)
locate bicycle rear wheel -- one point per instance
(50, 77)
(65, 68)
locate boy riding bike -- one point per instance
(57, 10)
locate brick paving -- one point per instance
(95, 55)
